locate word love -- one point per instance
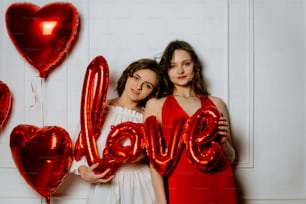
(197, 133)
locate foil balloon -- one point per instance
(93, 101)
(105, 163)
(5, 102)
(163, 154)
(42, 35)
(43, 156)
(200, 132)
(123, 145)
(124, 142)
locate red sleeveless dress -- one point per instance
(188, 185)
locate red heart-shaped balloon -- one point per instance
(42, 156)
(5, 102)
(42, 35)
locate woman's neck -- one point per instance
(184, 92)
(122, 102)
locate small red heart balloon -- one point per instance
(42, 156)
(42, 35)
(5, 102)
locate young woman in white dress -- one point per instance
(131, 183)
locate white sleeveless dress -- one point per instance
(132, 182)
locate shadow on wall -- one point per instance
(240, 191)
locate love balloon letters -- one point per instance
(198, 134)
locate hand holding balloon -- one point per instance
(224, 133)
(223, 129)
(88, 174)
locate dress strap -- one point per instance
(205, 101)
(169, 105)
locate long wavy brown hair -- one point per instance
(198, 83)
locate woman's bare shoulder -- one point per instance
(154, 106)
(110, 101)
(155, 102)
(219, 103)
(216, 100)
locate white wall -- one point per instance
(254, 54)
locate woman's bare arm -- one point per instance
(224, 129)
(153, 108)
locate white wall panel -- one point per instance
(279, 105)
(241, 79)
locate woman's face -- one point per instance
(141, 84)
(181, 70)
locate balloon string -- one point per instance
(34, 92)
(38, 98)
(45, 200)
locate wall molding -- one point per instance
(284, 200)
(249, 6)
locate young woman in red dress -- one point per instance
(185, 93)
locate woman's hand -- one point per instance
(223, 130)
(225, 138)
(88, 174)
(141, 157)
